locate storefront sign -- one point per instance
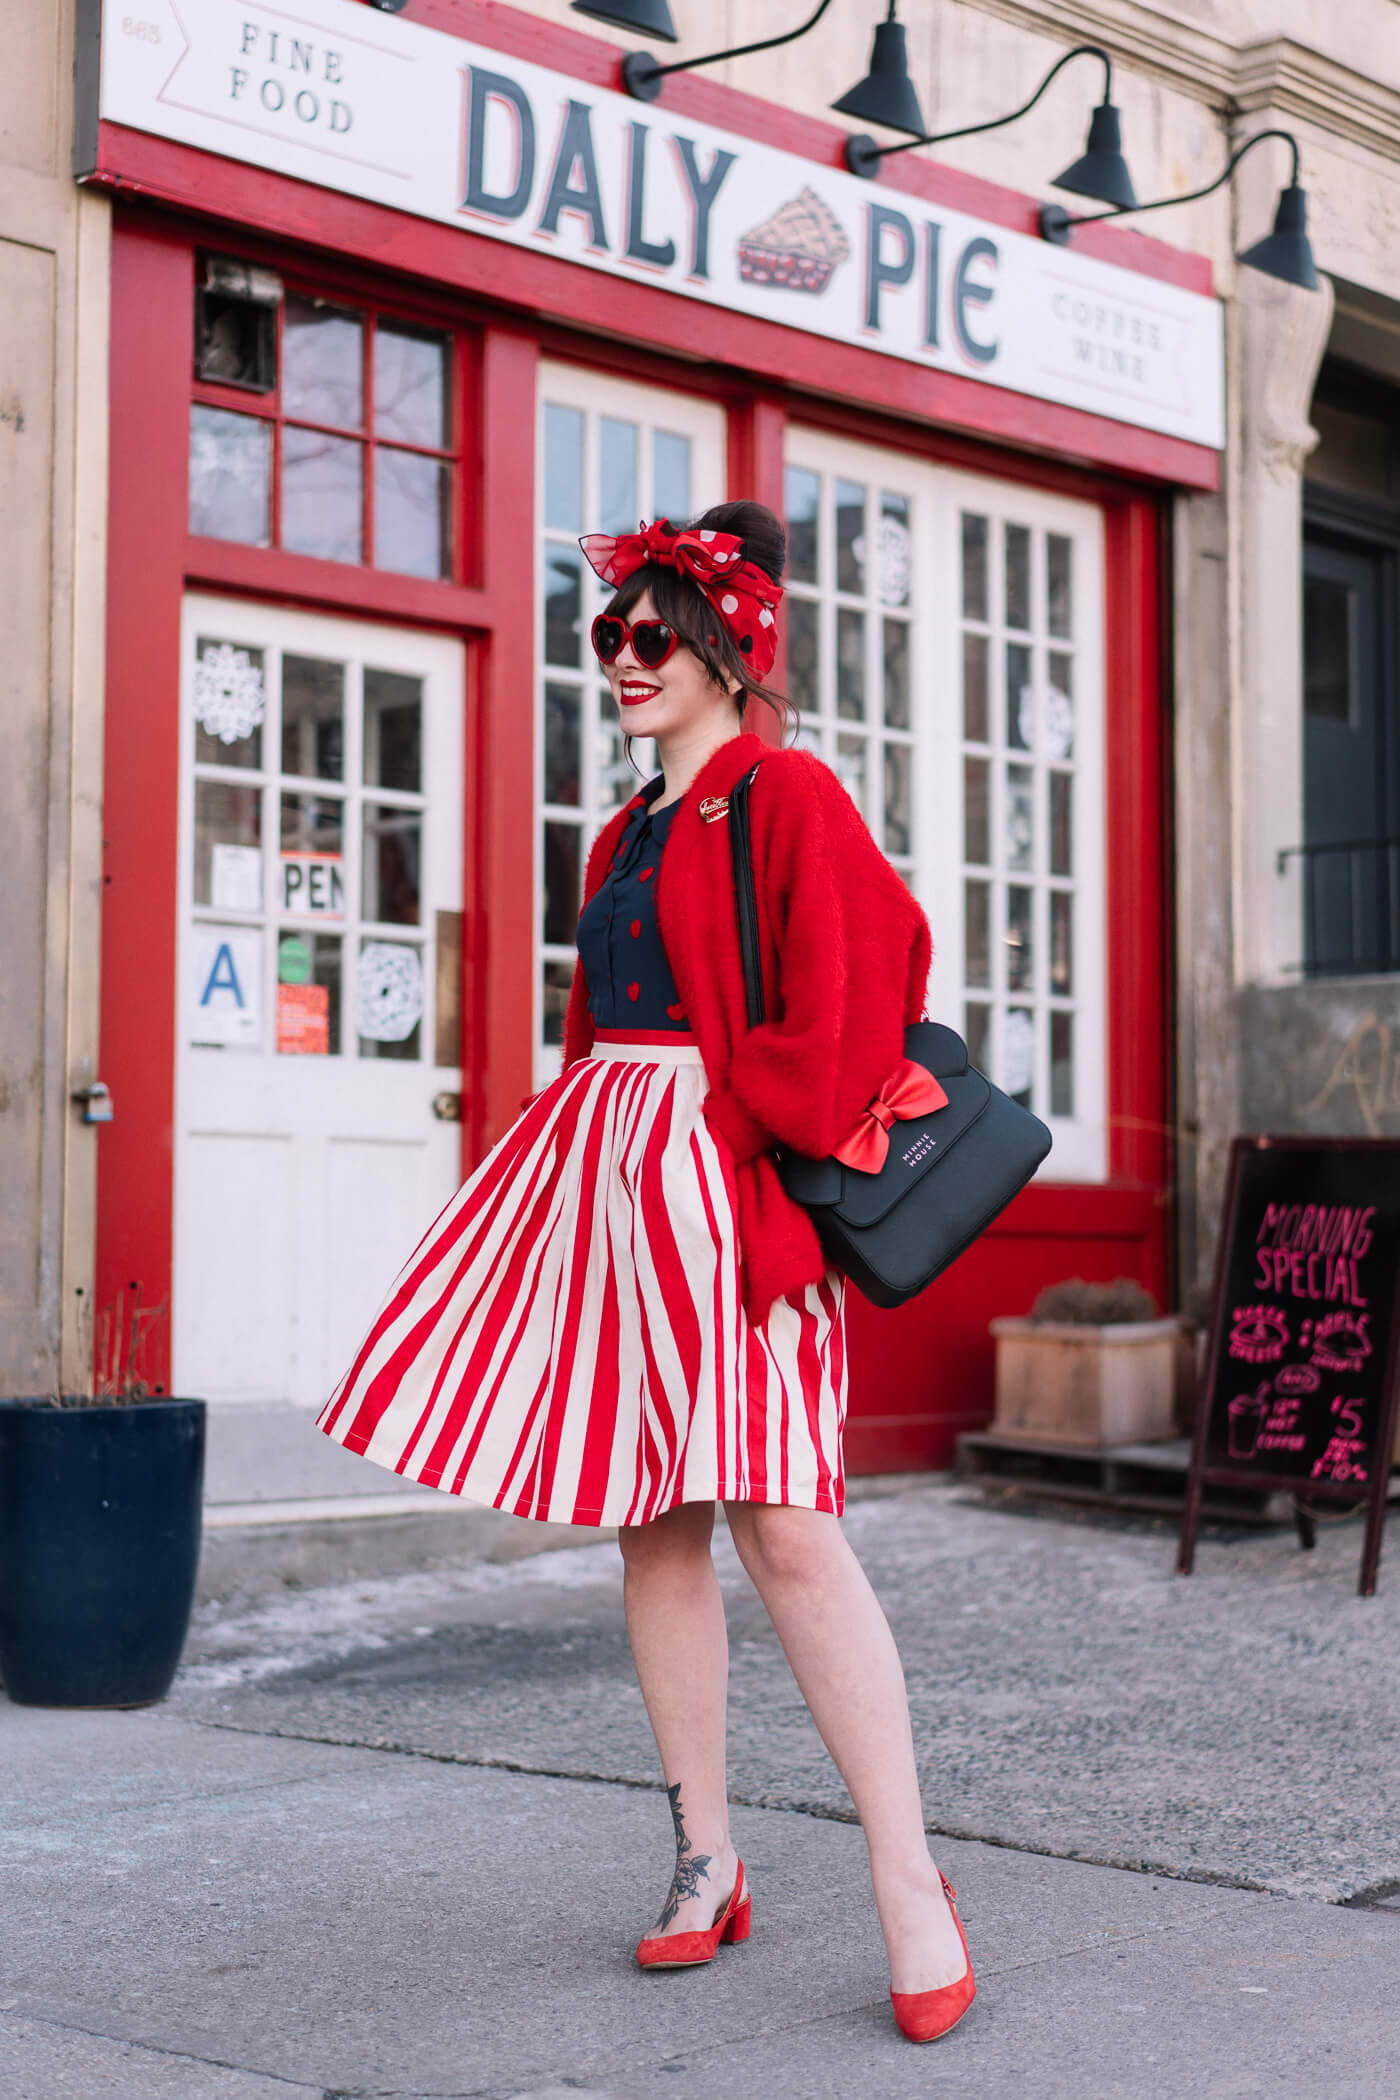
(376, 106)
(1300, 1390)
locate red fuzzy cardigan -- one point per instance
(845, 953)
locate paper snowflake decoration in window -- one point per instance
(388, 992)
(229, 698)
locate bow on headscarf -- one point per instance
(909, 1091)
(742, 594)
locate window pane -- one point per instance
(896, 651)
(563, 601)
(561, 883)
(1018, 1055)
(804, 681)
(230, 476)
(899, 827)
(391, 865)
(563, 468)
(617, 473)
(322, 363)
(850, 536)
(894, 549)
(1020, 818)
(1062, 1064)
(389, 1000)
(1020, 954)
(562, 764)
(393, 731)
(321, 494)
(670, 474)
(1059, 585)
(312, 824)
(977, 822)
(1020, 698)
(617, 782)
(308, 994)
(1329, 645)
(802, 496)
(850, 770)
(1018, 575)
(1061, 824)
(850, 665)
(977, 960)
(975, 713)
(974, 567)
(227, 845)
(1059, 708)
(412, 513)
(410, 385)
(313, 718)
(1061, 942)
(230, 699)
(558, 982)
(976, 1020)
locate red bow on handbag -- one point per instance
(741, 593)
(909, 1091)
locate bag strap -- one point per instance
(745, 896)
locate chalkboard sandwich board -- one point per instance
(1302, 1373)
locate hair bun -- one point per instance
(760, 529)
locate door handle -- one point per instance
(447, 1107)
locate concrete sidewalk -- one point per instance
(244, 1894)
(192, 1913)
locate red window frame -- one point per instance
(269, 408)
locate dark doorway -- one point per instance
(1351, 705)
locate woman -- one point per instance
(621, 1318)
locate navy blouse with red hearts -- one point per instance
(619, 941)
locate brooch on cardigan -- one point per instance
(713, 808)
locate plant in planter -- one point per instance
(1092, 1366)
(100, 1525)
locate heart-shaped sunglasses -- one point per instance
(652, 640)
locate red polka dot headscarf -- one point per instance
(743, 595)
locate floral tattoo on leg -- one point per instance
(691, 1866)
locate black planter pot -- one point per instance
(100, 1520)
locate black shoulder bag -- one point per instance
(946, 1174)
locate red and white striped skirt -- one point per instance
(568, 1342)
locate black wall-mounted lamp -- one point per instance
(1100, 171)
(1286, 253)
(642, 17)
(886, 95)
(642, 76)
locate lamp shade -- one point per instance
(1286, 253)
(642, 17)
(886, 95)
(1102, 172)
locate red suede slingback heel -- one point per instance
(685, 1950)
(923, 2016)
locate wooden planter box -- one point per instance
(1087, 1387)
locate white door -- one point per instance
(609, 454)
(320, 985)
(945, 649)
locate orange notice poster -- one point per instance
(303, 1020)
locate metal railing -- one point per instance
(1351, 906)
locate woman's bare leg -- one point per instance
(675, 1621)
(847, 1667)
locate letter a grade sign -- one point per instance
(225, 965)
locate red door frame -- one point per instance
(922, 1373)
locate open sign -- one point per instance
(313, 882)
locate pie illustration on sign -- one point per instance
(798, 247)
